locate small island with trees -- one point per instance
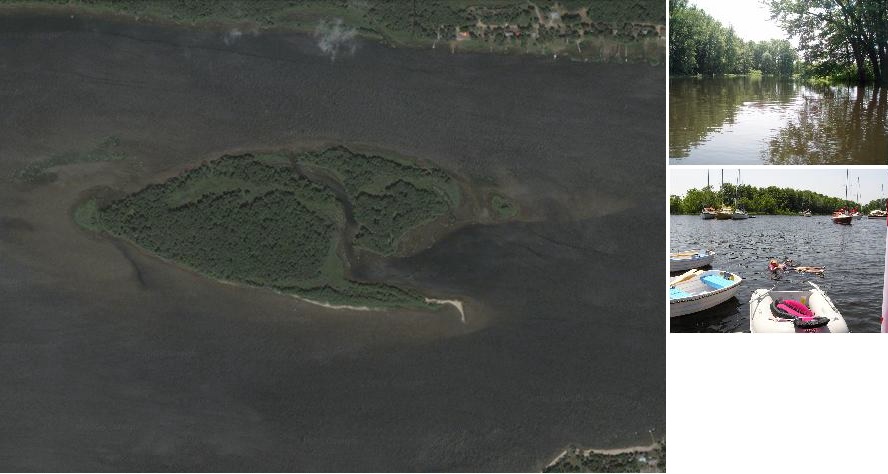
(292, 222)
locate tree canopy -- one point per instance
(839, 36)
(699, 44)
(267, 221)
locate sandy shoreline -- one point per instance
(606, 452)
(455, 303)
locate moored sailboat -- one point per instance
(725, 213)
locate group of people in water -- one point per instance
(777, 268)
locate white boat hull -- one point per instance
(843, 219)
(696, 300)
(694, 261)
(761, 319)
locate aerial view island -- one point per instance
(345, 235)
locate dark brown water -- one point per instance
(114, 360)
(764, 120)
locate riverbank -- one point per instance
(606, 35)
(649, 458)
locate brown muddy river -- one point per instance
(113, 360)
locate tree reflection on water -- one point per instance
(836, 126)
(777, 121)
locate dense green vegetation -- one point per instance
(577, 460)
(770, 200)
(39, 171)
(874, 204)
(699, 44)
(386, 216)
(258, 220)
(389, 197)
(631, 30)
(502, 207)
(839, 38)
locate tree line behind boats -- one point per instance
(770, 200)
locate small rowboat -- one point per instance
(766, 314)
(688, 259)
(699, 290)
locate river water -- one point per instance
(853, 255)
(114, 360)
(765, 120)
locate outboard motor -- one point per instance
(818, 324)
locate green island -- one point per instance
(286, 221)
(643, 459)
(39, 173)
(502, 207)
(611, 31)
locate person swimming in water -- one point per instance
(776, 268)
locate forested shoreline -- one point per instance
(838, 40)
(845, 39)
(701, 45)
(769, 200)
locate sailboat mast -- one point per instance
(737, 190)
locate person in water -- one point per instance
(776, 268)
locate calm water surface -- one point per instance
(756, 120)
(854, 258)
